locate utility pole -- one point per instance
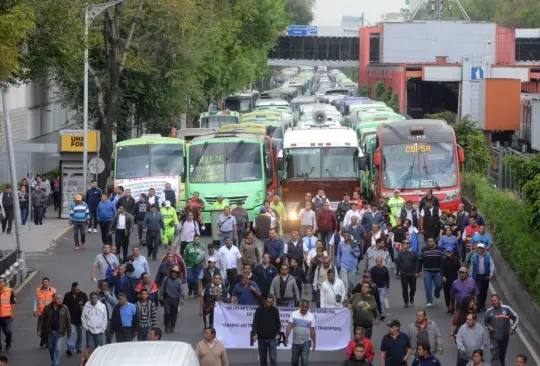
(362, 20)
(12, 168)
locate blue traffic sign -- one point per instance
(301, 30)
(477, 73)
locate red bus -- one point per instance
(416, 155)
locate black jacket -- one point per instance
(407, 263)
(266, 322)
(127, 203)
(262, 226)
(364, 362)
(75, 304)
(129, 287)
(450, 268)
(170, 196)
(380, 276)
(116, 321)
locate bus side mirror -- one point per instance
(377, 158)
(279, 164)
(362, 163)
(461, 155)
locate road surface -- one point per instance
(67, 265)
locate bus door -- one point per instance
(270, 157)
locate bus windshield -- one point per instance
(238, 105)
(419, 165)
(274, 132)
(323, 162)
(225, 162)
(149, 160)
(217, 121)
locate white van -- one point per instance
(157, 353)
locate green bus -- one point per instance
(151, 161)
(239, 166)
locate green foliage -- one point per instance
(470, 139)
(509, 13)
(300, 11)
(16, 21)
(505, 216)
(364, 91)
(387, 95)
(527, 174)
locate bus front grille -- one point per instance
(231, 199)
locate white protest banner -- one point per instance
(233, 326)
(142, 185)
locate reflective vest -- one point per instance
(44, 298)
(6, 309)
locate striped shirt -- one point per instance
(302, 325)
(148, 314)
(430, 259)
(79, 212)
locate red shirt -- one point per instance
(368, 347)
(470, 231)
(326, 221)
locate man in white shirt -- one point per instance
(334, 241)
(352, 212)
(308, 219)
(230, 260)
(333, 291)
(302, 321)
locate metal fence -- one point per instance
(500, 173)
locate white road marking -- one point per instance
(530, 348)
(386, 303)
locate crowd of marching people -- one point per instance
(334, 259)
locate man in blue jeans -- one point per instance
(303, 323)
(227, 227)
(55, 326)
(430, 260)
(266, 331)
(75, 301)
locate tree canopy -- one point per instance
(300, 11)
(510, 13)
(150, 61)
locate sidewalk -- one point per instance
(37, 238)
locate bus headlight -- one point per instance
(293, 215)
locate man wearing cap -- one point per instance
(171, 295)
(78, 217)
(242, 221)
(482, 272)
(170, 220)
(461, 288)
(6, 209)
(352, 212)
(395, 346)
(449, 270)
(396, 203)
(343, 207)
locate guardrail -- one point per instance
(11, 267)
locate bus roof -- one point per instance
(260, 116)
(151, 140)
(190, 133)
(220, 113)
(142, 354)
(270, 102)
(239, 134)
(327, 136)
(431, 130)
(255, 128)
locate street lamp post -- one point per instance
(91, 12)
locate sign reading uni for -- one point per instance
(72, 141)
(302, 30)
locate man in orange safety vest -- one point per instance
(44, 296)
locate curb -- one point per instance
(24, 283)
(59, 239)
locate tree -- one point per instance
(300, 11)
(509, 13)
(16, 21)
(527, 173)
(482, 10)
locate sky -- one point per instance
(329, 12)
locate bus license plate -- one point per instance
(428, 184)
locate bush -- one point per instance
(506, 217)
(50, 176)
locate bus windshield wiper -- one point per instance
(200, 155)
(235, 150)
(411, 168)
(428, 175)
(340, 183)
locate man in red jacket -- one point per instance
(326, 223)
(359, 338)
